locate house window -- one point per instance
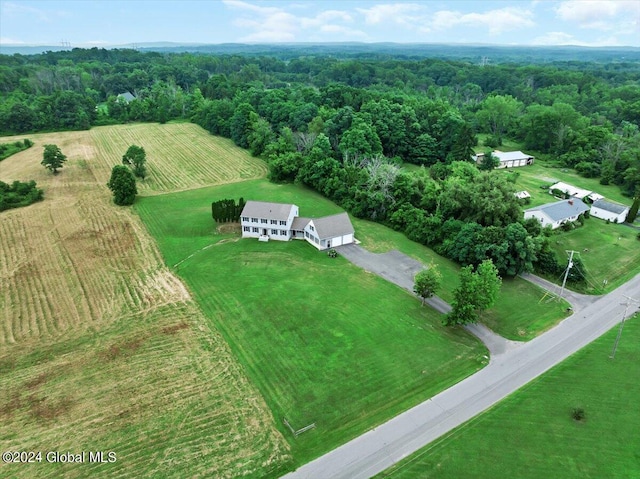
(274, 232)
(246, 228)
(274, 222)
(311, 228)
(283, 223)
(254, 220)
(262, 220)
(256, 229)
(245, 218)
(306, 234)
(283, 232)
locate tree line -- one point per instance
(345, 126)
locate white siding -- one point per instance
(270, 225)
(540, 216)
(608, 215)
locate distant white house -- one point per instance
(521, 195)
(508, 159)
(558, 213)
(607, 210)
(278, 221)
(126, 96)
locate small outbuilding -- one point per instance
(558, 213)
(606, 210)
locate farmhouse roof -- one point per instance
(612, 207)
(570, 190)
(263, 209)
(127, 96)
(334, 225)
(299, 223)
(562, 209)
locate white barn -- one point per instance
(558, 213)
(607, 210)
(277, 221)
(508, 159)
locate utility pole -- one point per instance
(624, 316)
(566, 272)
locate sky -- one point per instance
(101, 23)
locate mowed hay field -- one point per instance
(102, 347)
(179, 155)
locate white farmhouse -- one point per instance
(281, 222)
(558, 213)
(607, 210)
(508, 159)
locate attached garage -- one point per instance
(607, 210)
(329, 231)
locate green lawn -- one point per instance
(531, 434)
(520, 314)
(543, 174)
(610, 252)
(325, 342)
(522, 311)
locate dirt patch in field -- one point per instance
(175, 328)
(229, 228)
(46, 409)
(123, 349)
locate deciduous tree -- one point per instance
(137, 158)
(123, 185)
(476, 293)
(53, 158)
(427, 282)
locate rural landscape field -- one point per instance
(130, 319)
(102, 346)
(534, 426)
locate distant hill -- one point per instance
(476, 53)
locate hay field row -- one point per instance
(101, 346)
(160, 389)
(179, 156)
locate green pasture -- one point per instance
(532, 434)
(324, 341)
(522, 311)
(610, 252)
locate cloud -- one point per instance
(274, 24)
(400, 13)
(562, 38)
(496, 21)
(10, 41)
(600, 14)
(13, 10)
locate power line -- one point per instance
(624, 316)
(566, 272)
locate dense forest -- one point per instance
(345, 126)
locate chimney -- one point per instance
(570, 202)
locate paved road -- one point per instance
(578, 301)
(380, 448)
